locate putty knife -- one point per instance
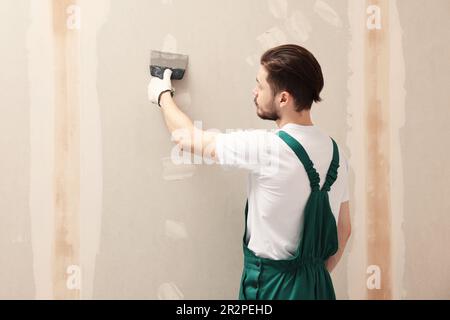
(160, 61)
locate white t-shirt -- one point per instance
(278, 186)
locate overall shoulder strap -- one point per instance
(298, 149)
(332, 170)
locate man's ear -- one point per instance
(284, 97)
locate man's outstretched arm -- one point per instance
(196, 141)
(183, 131)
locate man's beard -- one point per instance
(268, 115)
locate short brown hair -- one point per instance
(294, 69)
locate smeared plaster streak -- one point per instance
(298, 26)
(357, 255)
(327, 13)
(94, 14)
(278, 8)
(397, 111)
(170, 44)
(42, 135)
(169, 291)
(251, 60)
(271, 38)
(173, 172)
(175, 230)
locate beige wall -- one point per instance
(90, 205)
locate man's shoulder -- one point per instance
(250, 134)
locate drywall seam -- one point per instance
(67, 151)
(93, 15)
(378, 148)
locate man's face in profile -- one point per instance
(264, 98)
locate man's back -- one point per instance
(278, 185)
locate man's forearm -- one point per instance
(332, 262)
(182, 130)
(175, 118)
(189, 137)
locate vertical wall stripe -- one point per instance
(378, 149)
(93, 16)
(67, 151)
(397, 96)
(376, 82)
(357, 259)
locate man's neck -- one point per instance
(304, 121)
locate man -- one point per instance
(297, 219)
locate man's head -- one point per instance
(289, 78)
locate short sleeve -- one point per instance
(252, 150)
(346, 184)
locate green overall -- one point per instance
(304, 276)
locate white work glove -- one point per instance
(157, 87)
